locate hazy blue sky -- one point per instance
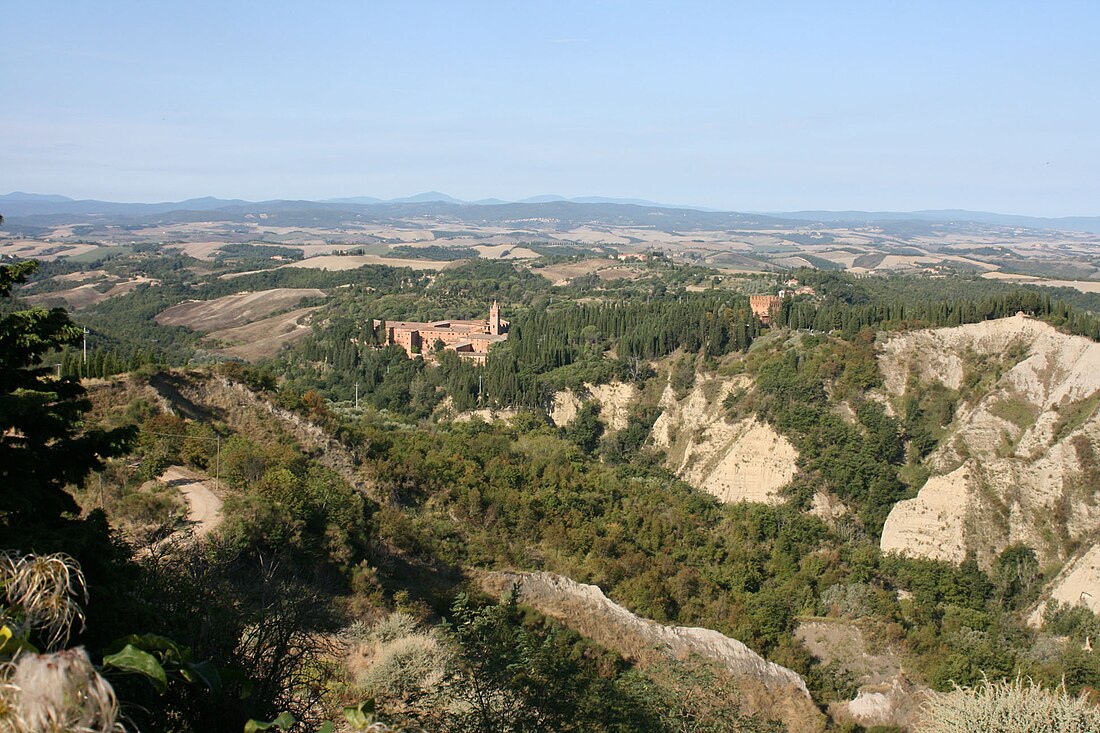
(739, 105)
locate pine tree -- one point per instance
(44, 444)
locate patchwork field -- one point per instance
(39, 250)
(734, 243)
(1085, 286)
(236, 310)
(263, 338)
(504, 252)
(352, 262)
(561, 274)
(89, 294)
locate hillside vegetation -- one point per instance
(677, 495)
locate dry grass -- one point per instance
(43, 593)
(56, 693)
(264, 338)
(236, 310)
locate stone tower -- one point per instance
(494, 318)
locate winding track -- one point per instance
(204, 507)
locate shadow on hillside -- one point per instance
(169, 386)
(433, 584)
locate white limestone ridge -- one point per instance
(557, 596)
(1077, 584)
(615, 400)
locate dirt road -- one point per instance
(204, 507)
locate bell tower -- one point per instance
(494, 318)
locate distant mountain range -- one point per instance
(1067, 223)
(19, 204)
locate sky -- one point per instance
(747, 106)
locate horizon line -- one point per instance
(551, 198)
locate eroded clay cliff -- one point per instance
(743, 460)
(1019, 460)
(768, 689)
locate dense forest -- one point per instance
(592, 335)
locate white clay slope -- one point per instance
(995, 481)
(615, 401)
(746, 460)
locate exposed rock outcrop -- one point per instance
(1018, 463)
(885, 695)
(565, 407)
(486, 414)
(769, 689)
(1078, 583)
(615, 400)
(932, 525)
(746, 460)
(894, 703)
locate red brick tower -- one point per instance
(494, 318)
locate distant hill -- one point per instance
(24, 204)
(587, 209)
(549, 215)
(1068, 223)
(352, 200)
(427, 197)
(550, 198)
(20, 196)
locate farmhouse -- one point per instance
(469, 339)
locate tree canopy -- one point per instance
(44, 443)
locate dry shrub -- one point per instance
(402, 667)
(855, 600)
(41, 593)
(1008, 707)
(56, 693)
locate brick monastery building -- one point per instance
(765, 307)
(469, 339)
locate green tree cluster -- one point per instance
(44, 442)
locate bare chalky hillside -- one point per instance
(1018, 462)
(742, 460)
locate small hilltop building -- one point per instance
(765, 307)
(469, 339)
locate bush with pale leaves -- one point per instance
(1008, 707)
(401, 666)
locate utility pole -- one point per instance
(479, 378)
(85, 344)
(218, 463)
(58, 365)
(357, 395)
